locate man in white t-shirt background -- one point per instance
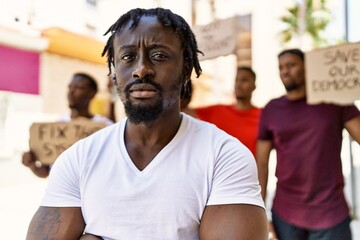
(81, 90)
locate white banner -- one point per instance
(217, 38)
(333, 74)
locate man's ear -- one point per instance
(113, 78)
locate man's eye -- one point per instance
(127, 57)
(158, 56)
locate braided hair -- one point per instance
(168, 19)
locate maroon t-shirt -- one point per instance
(308, 140)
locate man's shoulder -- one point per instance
(208, 112)
(207, 129)
(212, 107)
(196, 124)
(275, 101)
(64, 118)
(99, 118)
(101, 136)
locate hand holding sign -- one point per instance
(49, 140)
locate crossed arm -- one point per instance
(58, 223)
(234, 222)
(225, 222)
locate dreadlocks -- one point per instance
(166, 17)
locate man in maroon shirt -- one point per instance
(309, 202)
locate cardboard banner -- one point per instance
(224, 37)
(49, 140)
(333, 74)
(217, 38)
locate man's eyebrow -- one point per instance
(165, 47)
(158, 45)
(123, 47)
(153, 45)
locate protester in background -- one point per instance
(241, 119)
(159, 173)
(81, 90)
(309, 201)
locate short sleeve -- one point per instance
(63, 185)
(350, 112)
(264, 131)
(235, 178)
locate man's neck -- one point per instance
(160, 131)
(296, 94)
(243, 104)
(75, 113)
(144, 142)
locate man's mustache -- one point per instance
(143, 80)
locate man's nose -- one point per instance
(143, 69)
(71, 90)
(284, 71)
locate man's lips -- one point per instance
(142, 90)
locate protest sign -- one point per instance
(224, 37)
(217, 38)
(333, 74)
(49, 140)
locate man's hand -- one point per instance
(272, 233)
(29, 160)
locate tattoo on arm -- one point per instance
(56, 223)
(49, 223)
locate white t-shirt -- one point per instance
(201, 165)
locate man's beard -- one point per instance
(241, 98)
(143, 114)
(139, 113)
(74, 106)
(149, 113)
(291, 87)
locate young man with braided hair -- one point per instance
(158, 174)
